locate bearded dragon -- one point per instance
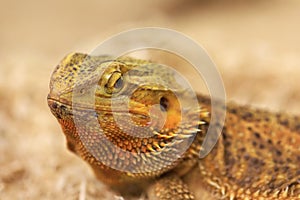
(257, 156)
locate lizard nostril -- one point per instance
(164, 104)
(62, 107)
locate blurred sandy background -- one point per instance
(255, 44)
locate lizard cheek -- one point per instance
(158, 117)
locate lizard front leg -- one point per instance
(170, 188)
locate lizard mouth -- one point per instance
(63, 110)
(60, 106)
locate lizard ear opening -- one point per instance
(164, 104)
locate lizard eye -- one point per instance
(119, 83)
(115, 83)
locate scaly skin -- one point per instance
(256, 157)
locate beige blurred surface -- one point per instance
(255, 44)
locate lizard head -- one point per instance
(95, 82)
(119, 116)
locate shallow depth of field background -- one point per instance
(255, 44)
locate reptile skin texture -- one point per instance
(257, 156)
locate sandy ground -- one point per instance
(255, 44)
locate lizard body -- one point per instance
(256, 157)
